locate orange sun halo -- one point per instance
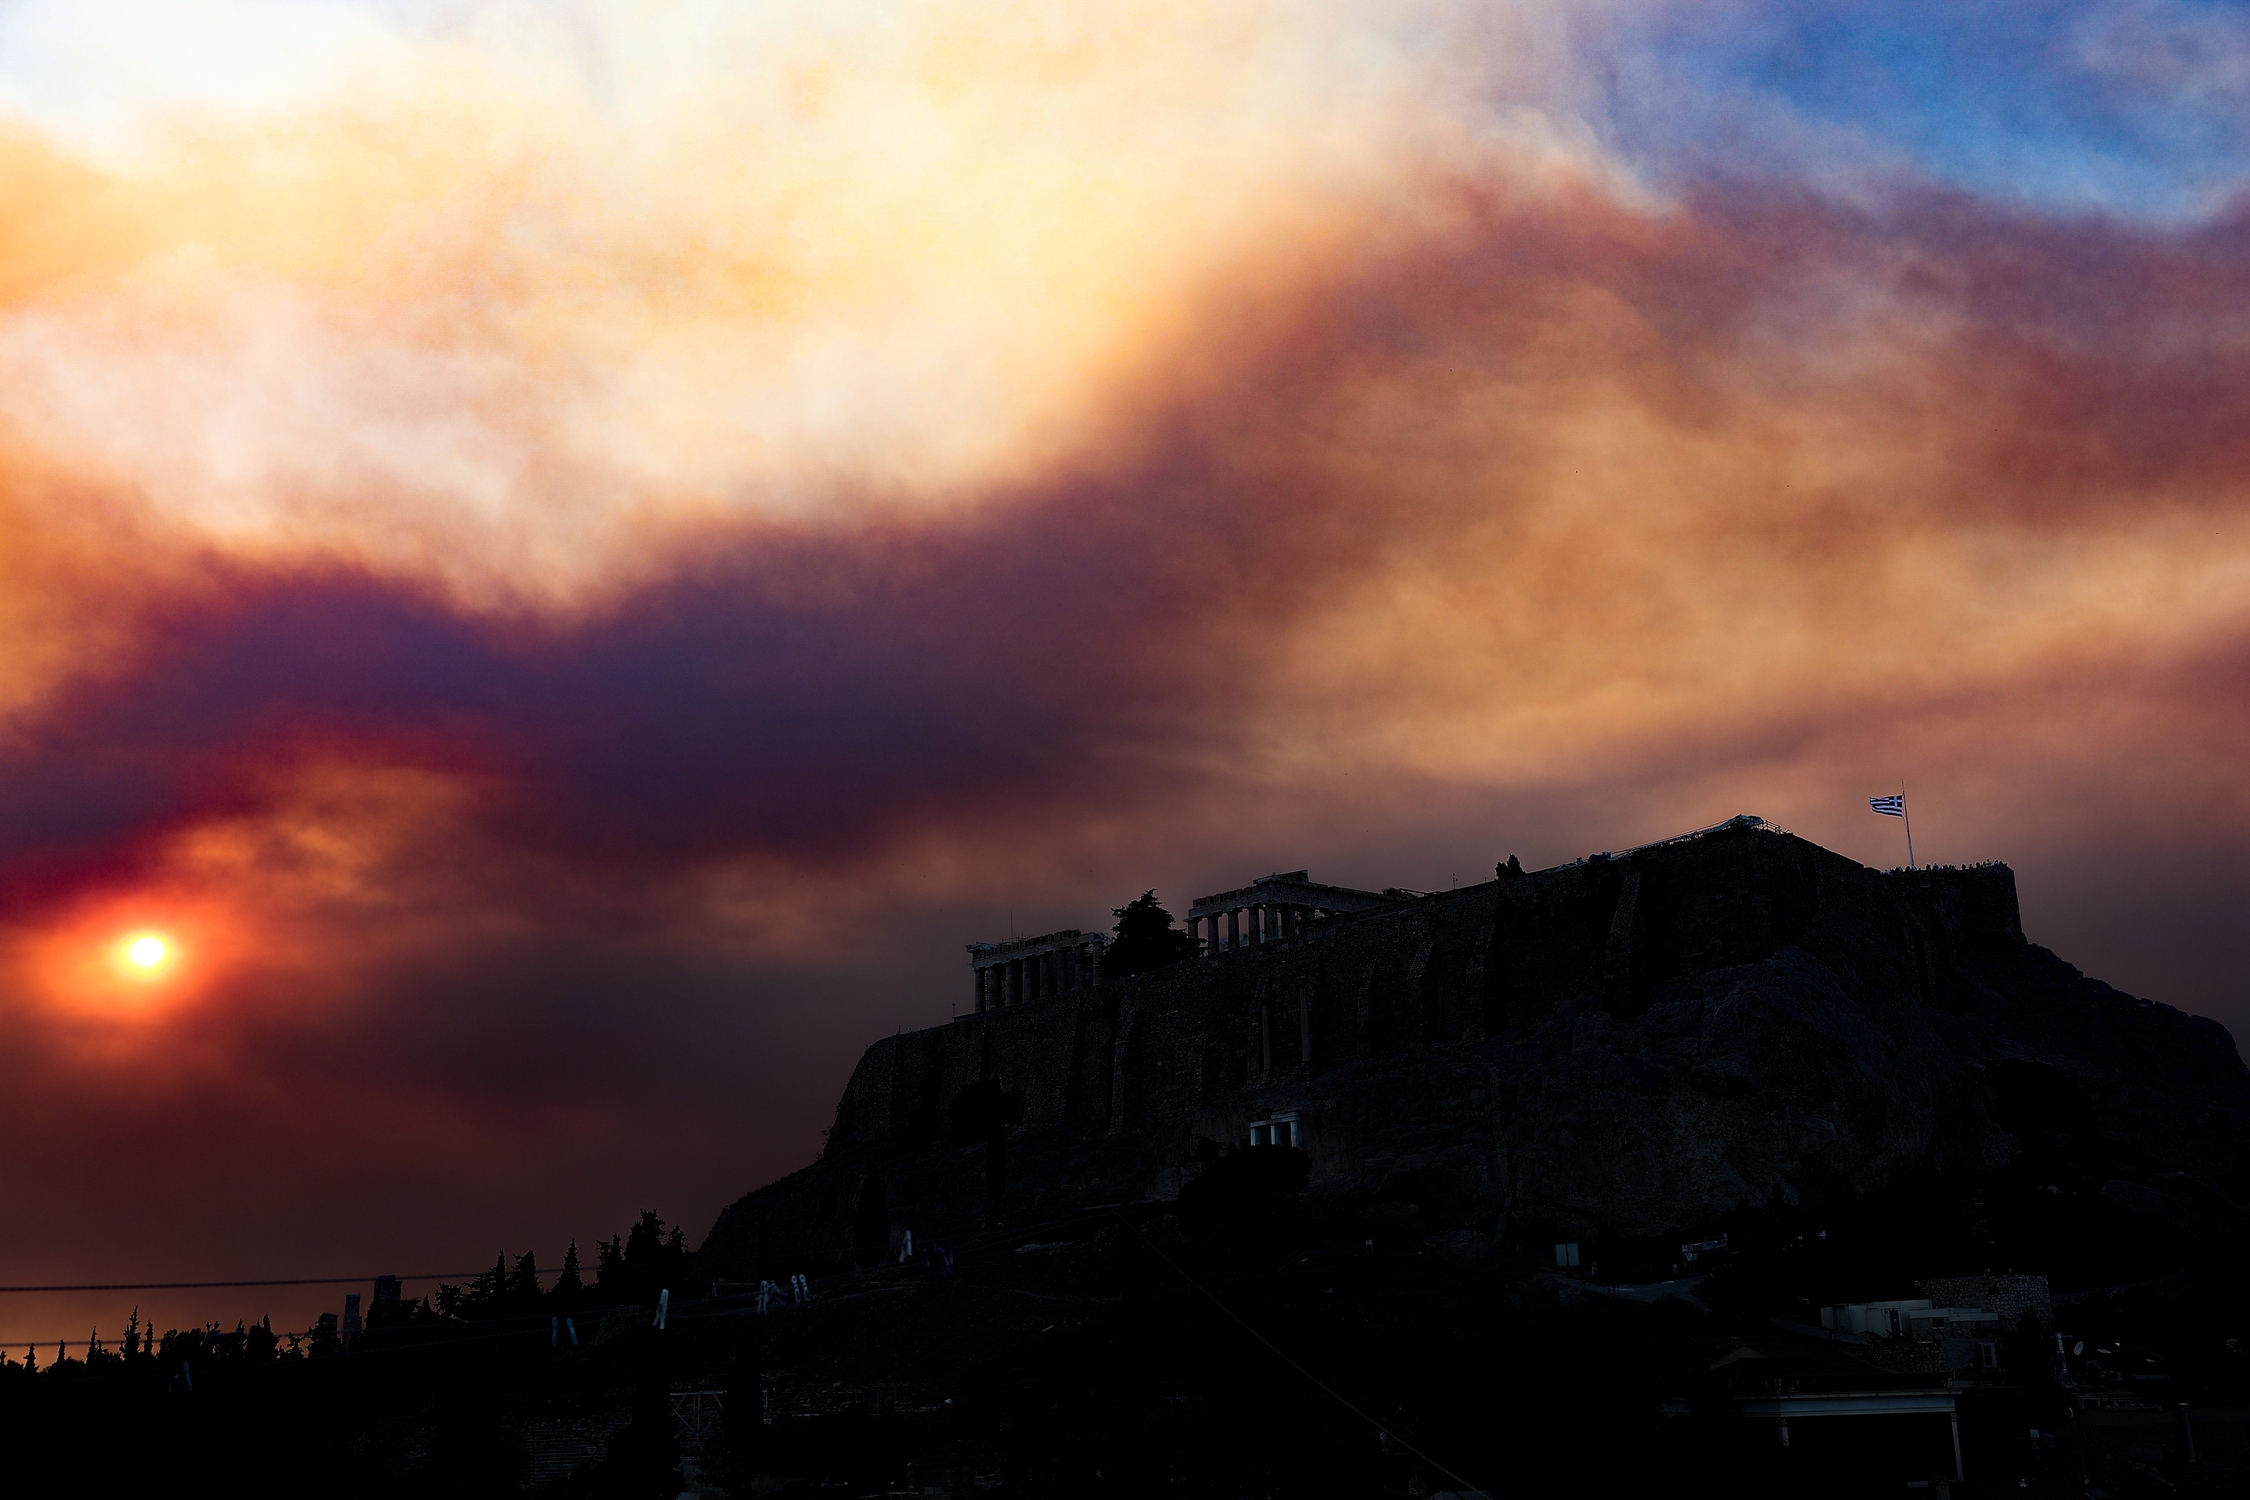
(143, 955)
(107, 961)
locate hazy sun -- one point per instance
(139, 956)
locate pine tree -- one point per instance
(644, 1242)
(1146, 939)
(570, 1286)
(609, 1269)
(485, 1292)
(523, 1284)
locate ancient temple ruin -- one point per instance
(1627, 1043)
(1275, 908)
(1032, 968)
(1278, 908)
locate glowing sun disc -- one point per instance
(147, 952)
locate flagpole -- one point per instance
(1909, 817)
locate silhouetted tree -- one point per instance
(609, 1269)
(523, 1285)
(570, 1286)
(1146, 939)
(1510, 870)
(487, 1294)
(643, 1261)
(644, 1242)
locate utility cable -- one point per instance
(1282, 1355)
(179, 1286)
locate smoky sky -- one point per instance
(568, 653)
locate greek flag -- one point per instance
(1889, 807)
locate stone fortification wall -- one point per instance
(1462, 966)
(1621, 1044)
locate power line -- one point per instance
(181, 1286)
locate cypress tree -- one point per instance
(609, 1269)
(523, 1284)
(570, 1286)
(486, 1291)
(1146, 939)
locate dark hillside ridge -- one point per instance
(1625, 1045)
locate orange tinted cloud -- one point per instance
(570, 595)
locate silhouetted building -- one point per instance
(1277, 908)
(1033, 968)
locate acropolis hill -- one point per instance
(1627, 1044)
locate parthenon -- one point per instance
(1271, 909)
(1277, 908)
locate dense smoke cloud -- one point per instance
(567, 573)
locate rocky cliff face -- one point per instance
(1617, 1046)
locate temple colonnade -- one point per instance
(1023, 969)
